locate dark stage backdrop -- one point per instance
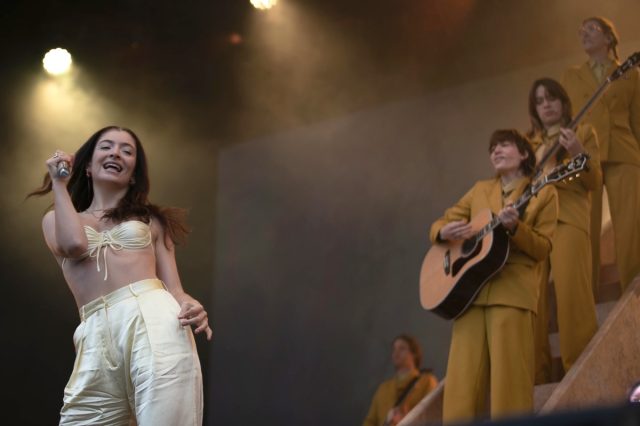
(320, 236)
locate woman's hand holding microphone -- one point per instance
(59, 165)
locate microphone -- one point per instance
(63, 169)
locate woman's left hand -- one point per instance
(509, 217)
(570, 142)
(193, 313)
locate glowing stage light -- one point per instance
(57, 61)
(263, 4)
(235, 39)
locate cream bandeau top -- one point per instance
(132, 235)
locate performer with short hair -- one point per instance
(491, 349)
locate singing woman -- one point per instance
(135, 353)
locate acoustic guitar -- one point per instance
(453, 272)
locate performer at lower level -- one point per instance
(492, 342)
(395, 397)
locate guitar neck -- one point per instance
(631, 62)
(574, 123)
(529, 192)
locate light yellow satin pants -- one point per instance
(134, 361)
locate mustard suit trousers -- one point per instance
(570, 263)
(623, 189)
(486, 336)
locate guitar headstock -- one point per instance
(631, 62)
(568, 170)
(565, 171)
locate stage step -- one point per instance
(610, 363)
(602, 312)
(602, 375)
(541, 394)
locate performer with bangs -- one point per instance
(492, 350)
(570, 260)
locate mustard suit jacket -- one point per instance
(516, 284)
(615, 116)
(389, 391)
(573, 196)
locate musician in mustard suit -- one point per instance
(408, 384)
(616, 119)
(492, 341)
(570, 260)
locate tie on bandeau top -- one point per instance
(132, 235)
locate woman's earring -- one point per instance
(132, 181)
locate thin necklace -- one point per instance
(92, 212)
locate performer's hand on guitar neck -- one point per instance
(570, 142)
(509, 217)
(456, 230)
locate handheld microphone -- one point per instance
(63, 169)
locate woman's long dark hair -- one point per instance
(135, 203)
(556, 91)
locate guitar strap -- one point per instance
(408, 389)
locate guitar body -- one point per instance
(453, 273)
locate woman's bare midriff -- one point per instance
(124, 267)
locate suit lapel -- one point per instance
(519, 190)
(612, 67)
(587, 76)
(495, 196)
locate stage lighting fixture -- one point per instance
(263, 4)
(57, 61)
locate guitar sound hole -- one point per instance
(468, 246)
(472, 249)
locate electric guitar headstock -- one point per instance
(566, 171)
(631, 62)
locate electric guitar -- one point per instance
(632, 61)
(453, 272)
(399, 410)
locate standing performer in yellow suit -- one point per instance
(570, 260)
(616, 119)
(492, 342)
